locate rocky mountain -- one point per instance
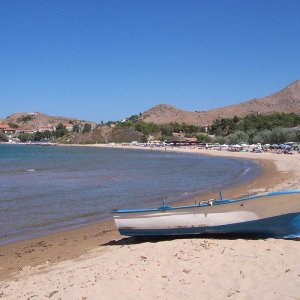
(286, 100)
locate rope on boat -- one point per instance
(210, 202)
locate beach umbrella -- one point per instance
(284, 146)
(275, 146)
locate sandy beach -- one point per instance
(95, 262)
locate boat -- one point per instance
(275, 214)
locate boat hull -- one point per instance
(270, 215)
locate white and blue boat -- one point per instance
(275, 214)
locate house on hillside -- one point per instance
(93, 126)
(5, 128)
(46, 128)
(69, 127)
(29, 131)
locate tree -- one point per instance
(254, 122)
(25, 137)
(3, 137)
(47, 134)
(264, 137)
(236, 119)
(167, 130)
(39, 136)
(76, 128)
(220, 139)
(297, 133)
(203, 138)
(278, 136)
(60, 126)
(13, 125)
(282, 135)
(25, 118)
(238, 137)
(146, 128)
(134, 118)
(87, 128)
(60, 130)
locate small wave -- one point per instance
(30, 170)
(246, 171)
(76, 218)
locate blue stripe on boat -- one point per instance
(280, 226)
(217, 202)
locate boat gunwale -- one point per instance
(215, 202)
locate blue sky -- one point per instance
(106, 60)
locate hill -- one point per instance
(286, 100)
(32, 120)
(103, 134)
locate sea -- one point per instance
(48, 189)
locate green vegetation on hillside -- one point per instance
(25, 118)
(267, 129)
(162, 132)
(57, 134)
(37, 136)
(86, 128)
(13, 125)
(225, 127)
(3, 137)
(45, 135)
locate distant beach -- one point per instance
(95, 260)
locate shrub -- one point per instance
(203, 138)
(220, 139)
(238, 137)
(3, 137)
(25, 118)
(86, 128)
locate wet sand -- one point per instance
(95, 259)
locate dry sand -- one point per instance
(95, 262)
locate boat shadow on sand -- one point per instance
(156, 239)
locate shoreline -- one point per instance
(176, 200)
(72, 243)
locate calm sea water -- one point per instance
(45, 189)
